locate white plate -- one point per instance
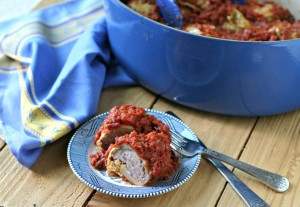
(81, 146)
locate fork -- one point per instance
(191, 148)
(248, 196)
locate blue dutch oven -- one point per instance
(210, 74)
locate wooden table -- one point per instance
(272, 143)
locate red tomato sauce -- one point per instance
(150, 139)
(132, 116)
(155, 148)
(254, 21)
(98, 160)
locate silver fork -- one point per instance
(191, 148)
(250, 198)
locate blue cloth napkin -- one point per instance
(53, 66)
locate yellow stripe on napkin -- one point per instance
(37, 120)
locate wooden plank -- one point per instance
(274, 146)
(223, 133)
(51, 182)
(226, 134)
(117, 96)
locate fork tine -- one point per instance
(181, 150)
(175, 147)
(178, 149)
(177, 142)
(178, 137)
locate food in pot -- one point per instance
(135, 146)
(254, 21)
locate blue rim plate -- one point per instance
(81, 146)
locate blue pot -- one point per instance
(215, 75)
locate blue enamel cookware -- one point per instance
(210, 74)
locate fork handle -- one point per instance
(249, 197)
(273, 180)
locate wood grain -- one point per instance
(270, 142)
(274, 146)
(49, 183)
(226, 134)
(125, 95)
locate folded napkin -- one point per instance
(53, 66)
